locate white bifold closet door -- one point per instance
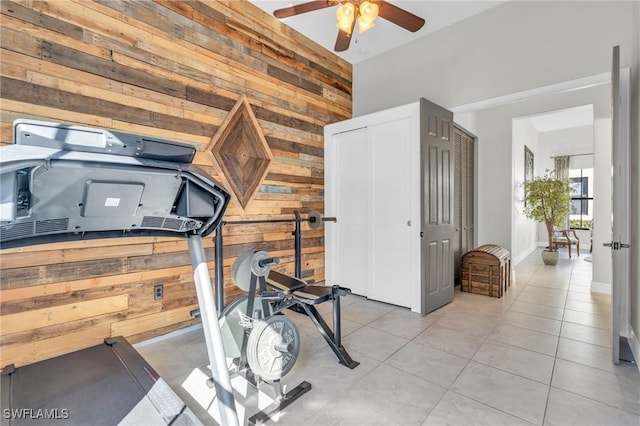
(346, 239)
(394, 226)
(374, 246)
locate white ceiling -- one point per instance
(320, 25)
(564, 119)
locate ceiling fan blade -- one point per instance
(343, 40)
(302, 8)
(400, 17)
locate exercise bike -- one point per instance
(260, 342)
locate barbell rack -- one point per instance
(314, 220)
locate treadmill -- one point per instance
(62, 182)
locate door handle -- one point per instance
(616, 245)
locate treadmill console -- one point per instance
(61, 182)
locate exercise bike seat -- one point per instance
(283, 282)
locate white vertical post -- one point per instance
(212, 335)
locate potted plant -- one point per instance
(547, 201)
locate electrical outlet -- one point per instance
(158, 292)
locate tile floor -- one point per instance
(540, 355)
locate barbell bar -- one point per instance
(314, 219)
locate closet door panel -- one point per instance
(394, 231)
(469, 227)
(347, 239)
(458, 236)
(464, 197)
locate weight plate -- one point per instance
(241, 270)
(273, 347)
(234, 324)
(245, 265)
(259, 271)
(315, 220)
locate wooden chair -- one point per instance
(567, 238)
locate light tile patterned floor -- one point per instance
(540, 355)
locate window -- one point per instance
(581, 209)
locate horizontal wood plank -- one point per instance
(60, 314)
(35, 275)
(18, 260)
(147, 322)
(21, 354)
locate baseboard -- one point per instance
(168, 335)
(520, 258)
(597, 287)
(634, 344)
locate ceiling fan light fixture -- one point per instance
(368, 12)
(346, 15)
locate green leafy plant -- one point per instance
(579, 224)
(547, 202)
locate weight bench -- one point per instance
(297, 293)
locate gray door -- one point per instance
(437, 154)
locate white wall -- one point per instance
(524, 235)
(510, 48)
(572, 141)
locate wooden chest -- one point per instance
(486, 270)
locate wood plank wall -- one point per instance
(172, 69)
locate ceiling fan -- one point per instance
(352, 11)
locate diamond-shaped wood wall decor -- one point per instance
(241, 151)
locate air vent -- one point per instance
(52, 225)
(162, 223)
(152, 222)
(16, 230)
(175, 224)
